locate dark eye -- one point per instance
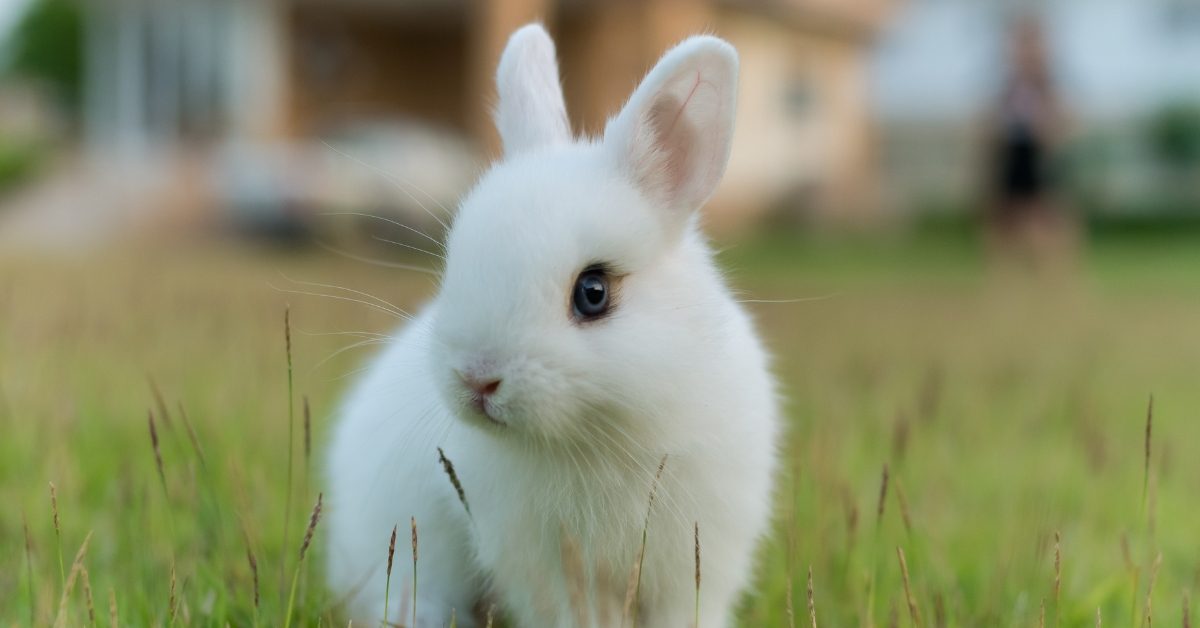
(590, 296)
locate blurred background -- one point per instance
(186, 117)
(969, 230)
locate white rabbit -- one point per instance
(581, 333)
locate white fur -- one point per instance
(558, 493)
(531, 113)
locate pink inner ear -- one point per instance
(673, 142)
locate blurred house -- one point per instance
(937, 72)
(254, 88)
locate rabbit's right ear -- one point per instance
(531, 113)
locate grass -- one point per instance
(1011, 417)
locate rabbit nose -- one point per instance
(481, 386)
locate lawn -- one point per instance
(1010, 414)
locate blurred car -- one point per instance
(363, 178)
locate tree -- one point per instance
(47, 47)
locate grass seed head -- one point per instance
(54, 509)
(1057, 566)
(851, 512)
(883, 489)
(312, 526)
(28, 537)
(413, 524)
(87, 595)
(391, 550)
(448, 467)
(654, 487)
(158, 461)
(307, 430)
(287, 331)
(1149, 433)
(696, 618)
(69, 585)
(171, 602)
(253, 573)
(789, 607)
(812, 603)
(29, 568)
(913, 611)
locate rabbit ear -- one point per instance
(673, 136)
(531, 113)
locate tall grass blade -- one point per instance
(29, 570)
(308, 536)
(387, 586)
(697, 543)
(61, 619)
(253, 578)
(62, 574)
(1057, 576)
(87, 596)
(291, 437)
(631, 597)
(413, 523)
(812, 603)
(913, 612)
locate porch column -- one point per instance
(129, 84)
(257, 61)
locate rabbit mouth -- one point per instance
(483, 407)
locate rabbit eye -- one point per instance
(590, 297)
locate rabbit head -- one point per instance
(577, 286)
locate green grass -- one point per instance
(1005, 410)
(19, 160)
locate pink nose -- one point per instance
(482, 387)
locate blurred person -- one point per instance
(1026, 220)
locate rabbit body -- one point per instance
(572, 436)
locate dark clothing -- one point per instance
(1022, 166)
(1022, 150)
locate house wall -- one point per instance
(296, 69)
(159, 74)
(606, 48)
(348, 66)
(803, 135)
(489, 24)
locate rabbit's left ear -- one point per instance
(530, 113)
(673, 136)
